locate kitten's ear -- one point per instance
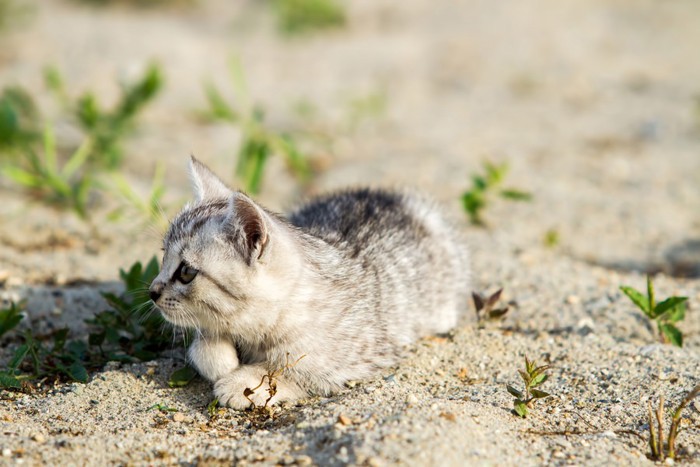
(252, 223)
(205, 184)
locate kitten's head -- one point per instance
(216, 265)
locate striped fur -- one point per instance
(347, 281)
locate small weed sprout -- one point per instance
(161, 408)
(485, 310)
(129, 331)
(11, 316)
(18, 120)
(68, 180)
(551, 238)
(271, 377)
(485, 187)
(533, 376)
(258, 142)
(67, 186)
(302, 16)
(151, 207)
(666, 313)
(659, 450)
(107, 128)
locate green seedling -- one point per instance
(487, 186)
(533, 376)
(108, 128)
(66, 186)
(659, 450)
(128, 332)
(162, 408)
(551, 238)
(151, 207)
(485, 307)
(182, 377)
(666, 313)
(303, 16)
(18, 120)
(213, 408)
(10, 317)
(131, 330)
(258, 142)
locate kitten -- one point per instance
(347, 281)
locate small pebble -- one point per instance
(573, 299)
(38, 437)
(178, 417)
(669, 461)
(411, 399)
(304, 460)
(344, 420)
(6, 452)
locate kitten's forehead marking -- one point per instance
(193, 218)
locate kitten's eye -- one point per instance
(185, 273)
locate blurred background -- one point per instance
(586, 112)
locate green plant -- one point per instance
(485, 187)
(129, 331)
(18, 119)
(659, 450)
(150, 207)
(533, 376)
(301, 16)
(108, 128)
(258, 142)
(69, 179)
(67, 186)
(666, 313)
(10, 317)
(485, 307)
(162, 408)
(551, 238)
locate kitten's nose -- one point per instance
(156, 290)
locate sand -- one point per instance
(592, 103)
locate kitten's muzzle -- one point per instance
(156, 290)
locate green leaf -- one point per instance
(538, 379)
(77, 372)
(514, 392)
(8, 381)
(537, 394)
(17, 359)
(525, 376)
(10, 317)
(211, 407)
(650, 294)
(674, 314)
(667, 305)
(672, 333)
(516, 195)
(637, 298)
(520, 408)
(182, 377)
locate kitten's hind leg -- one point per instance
(254, 383)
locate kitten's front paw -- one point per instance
(213, 358)
(232, 389)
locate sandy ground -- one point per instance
(594, 105)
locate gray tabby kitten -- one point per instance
(347, 281)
